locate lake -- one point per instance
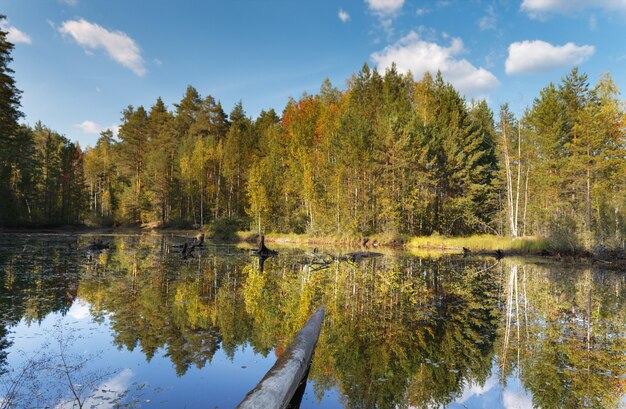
(139, 326)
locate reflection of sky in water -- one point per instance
(494, 395)
(106, 392)
(224, 381)
(221, 383)
(79, 310)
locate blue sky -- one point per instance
(80, 62)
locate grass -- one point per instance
(477, 243)
(485, 242)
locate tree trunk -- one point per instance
(519, 174)
(509, 183)
(525, 200)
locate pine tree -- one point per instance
(132, 150)
(9, 115)
(160, 162)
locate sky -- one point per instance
(79, 63)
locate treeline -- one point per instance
(42, 180)
(386, 155)
(41, 176)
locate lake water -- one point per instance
(139, 326)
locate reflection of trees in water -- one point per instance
(390, 323)
(564, 335)
(37, 277)
(399, 331)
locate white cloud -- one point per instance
(488, 22)
(70, 2)
(385, 7)
(538, 8)
(15, 35)
(537, 56)
(343, 15)
(386, 10)
(118, 45)
(422, 11)
(419, 56)
(94, 128)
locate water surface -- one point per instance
(140, 326)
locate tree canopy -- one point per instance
(386, 155)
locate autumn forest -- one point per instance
(387, 154)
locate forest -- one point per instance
(387, 154)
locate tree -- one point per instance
(511, 166)
(9, 115)
(257, 196)
(239, 146)
(100, 175)
(132, 150)
(161, 163)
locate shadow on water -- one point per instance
(400, 330)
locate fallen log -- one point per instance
(278, 386)
(360, 255)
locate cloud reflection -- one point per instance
(472, 390)
(106, 394)
(79, 309)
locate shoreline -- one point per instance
(479, 245)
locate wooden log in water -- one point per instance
(262, 250)
(279, 385)
(360, 255)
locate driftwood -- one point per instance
(278, 387)
(360, 255)
(96, 245)
(262, 250)
(497, 254)
(186, 249)
(317, 261)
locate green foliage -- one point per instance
(225, 229)
(11, 140)
(575, 150)
(564, 233)
(387, 156)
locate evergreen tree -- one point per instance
(161, 164)
(132, 150)
(9, 115)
